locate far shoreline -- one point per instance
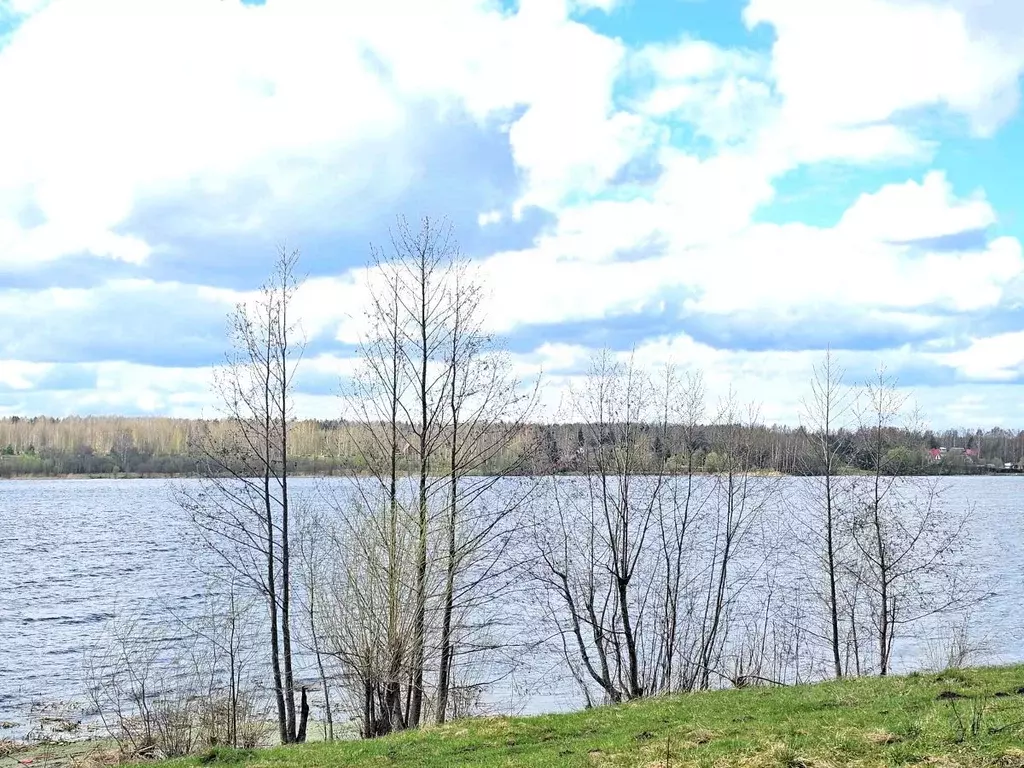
(327, 475)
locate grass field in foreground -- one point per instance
(917, 720)
(968, 718)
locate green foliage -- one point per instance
(902, 460)
(867, 721)
(157, 446)
(713, 462)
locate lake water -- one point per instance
(74, 553)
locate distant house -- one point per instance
(965, 455)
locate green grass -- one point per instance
(863, 722)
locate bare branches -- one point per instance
(825, 415)
(242, 513)
(636, 556)
(909, 543)
(436, 408)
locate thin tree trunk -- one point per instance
(443, 681)
(883, 570)
(283, 722)
(420, 621)
(289, 675)
(300, 734)
(833, 592)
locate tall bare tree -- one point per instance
(381, 436)
(683, 402)
(434, 406)
(243, 510)
(826, 412)
(422, 257)
(911, 544)
(486, 413)
(739, 500)
(637, 557)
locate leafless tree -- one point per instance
(740, 499)
(679, 513)
(217, 646)
(378, 523)
(637, 558)
(399, 398)
(313, 540)
(422, 258)
(167, 688)
(434, 405)
(911, 544)
(486, 412)
(243, 510)
(826, 412)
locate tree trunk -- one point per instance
(300, 735)
(444, 675)
(420, 622)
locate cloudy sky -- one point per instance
(732, 184)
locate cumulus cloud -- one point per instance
(851, 63)
(916, 211)
(172, 132)
(272, 95)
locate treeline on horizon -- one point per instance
(160, 446)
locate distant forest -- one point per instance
(153, 446)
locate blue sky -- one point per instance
(730, 184)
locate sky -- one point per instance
(732, 185)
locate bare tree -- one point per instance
(382, 440)
(434, 407)
(313, 553)
(826, 412)
(168, 688)
(679, 514)
(399, 396)
(637, 558)
(422, 257)
(486, 411)
(242, 512)
(911, 545)
(740, 498)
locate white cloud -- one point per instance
(776, 382)
(723, 93)
(316, 104)
(848, 63)
(995, 358)
(703, 247)
(842, 76)
(22, 375)
(601, 5)
(489, 217)
(121, 114)
(912, 211)
(274, 94)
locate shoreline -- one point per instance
(325, 475)
(917, 718)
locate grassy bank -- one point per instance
(968, 718)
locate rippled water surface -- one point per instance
(74, 553)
